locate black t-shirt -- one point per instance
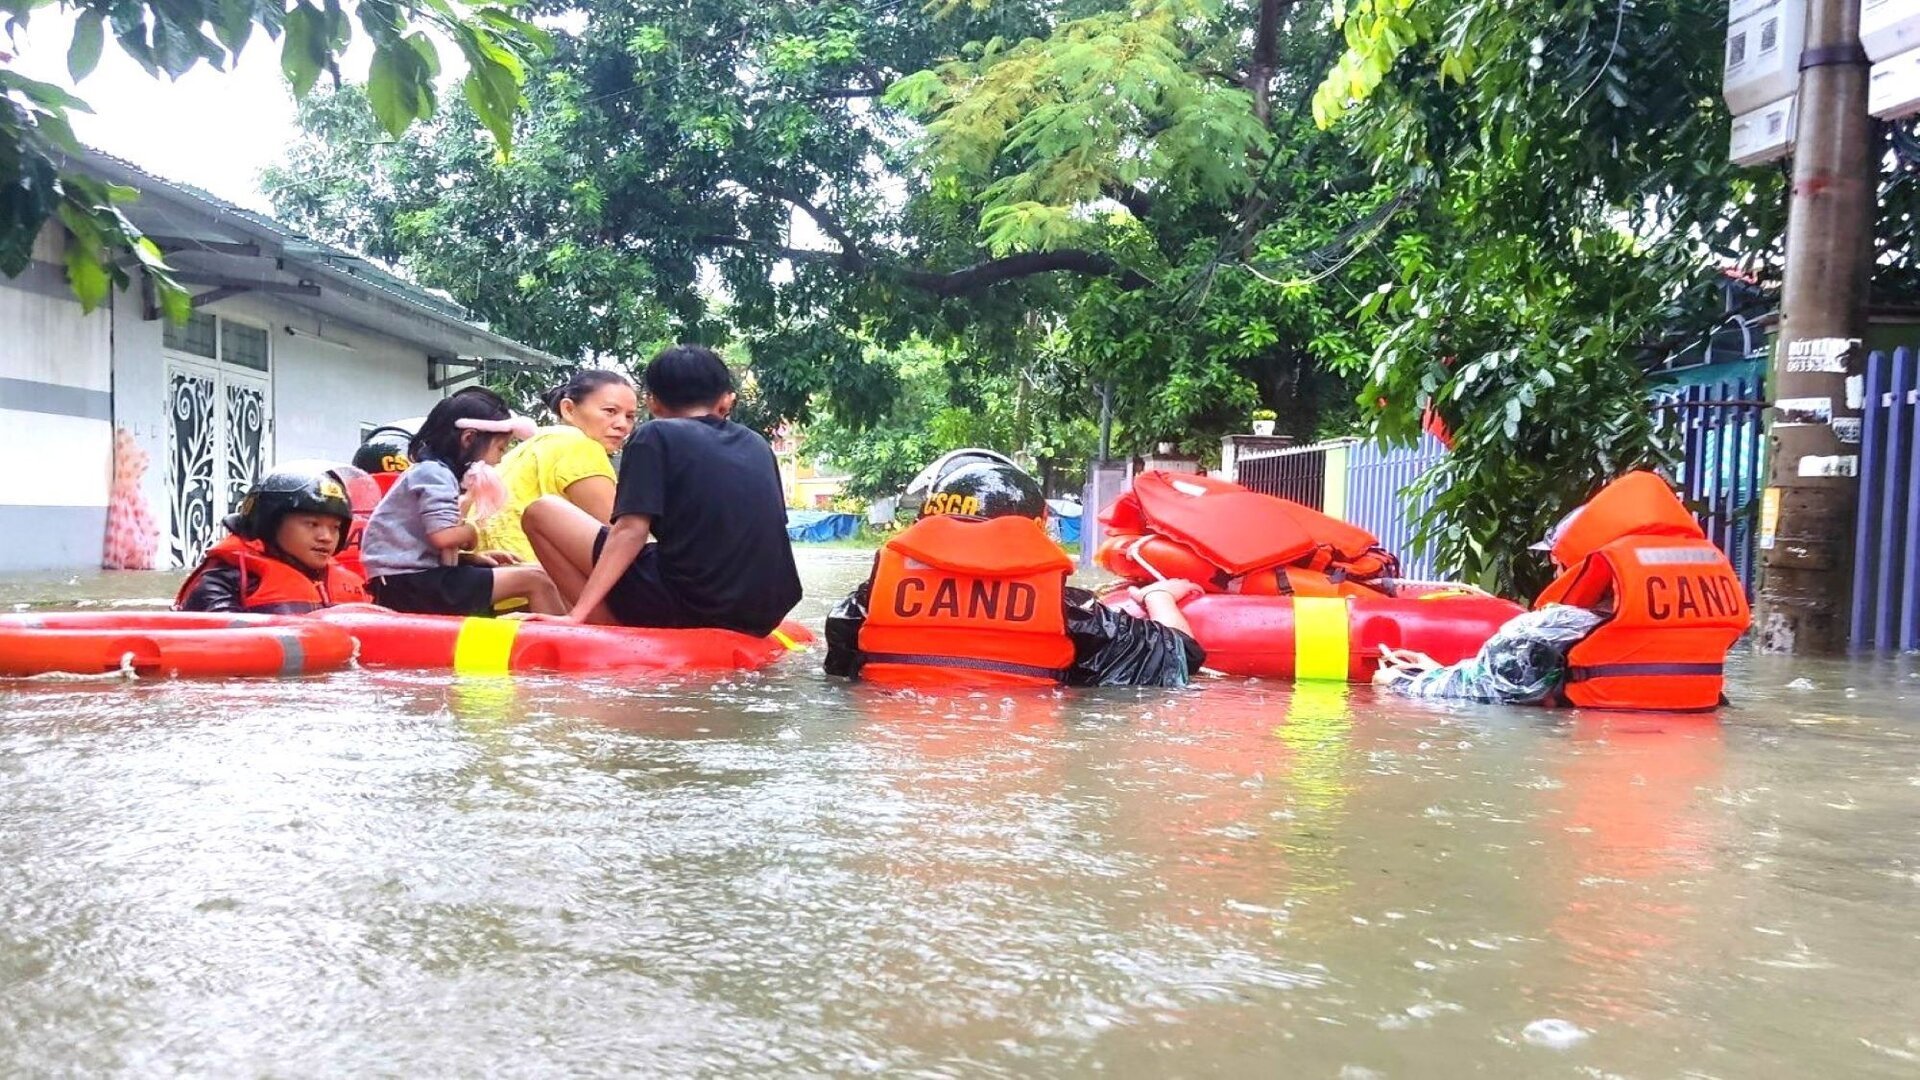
(712, 490)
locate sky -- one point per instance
(212, 129)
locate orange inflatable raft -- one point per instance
(478, 646)
(194, 644)
(1335, 637)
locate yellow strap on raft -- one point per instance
(1320, 638)
(485, 646)
(781, 637)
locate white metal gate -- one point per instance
(219, 420)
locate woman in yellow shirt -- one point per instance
(572, 459)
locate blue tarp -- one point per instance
(1063, 520)
(819, 526)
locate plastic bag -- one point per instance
(486, 492)
(1522, 664)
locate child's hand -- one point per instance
(494, 558)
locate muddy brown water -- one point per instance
(778, 874)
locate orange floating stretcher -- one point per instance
(1335, 637)
(478, 646)
(169, 643)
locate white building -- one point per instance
(294, 349)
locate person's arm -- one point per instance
(454, 537)
(594, 494)
(624, 540)
(843, 633)
(1161, 601)
(441, 511)
(217, 590)
(1113, 648)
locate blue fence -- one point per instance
(1380, 498)
(1886, 554)
(1720, 423)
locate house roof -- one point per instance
(217, 245)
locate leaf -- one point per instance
(83, 55)
(390, 91)
(302, 48)
(233, 24)
(46, 95)
(87, 274)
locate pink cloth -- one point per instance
(132, 537)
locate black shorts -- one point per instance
(639, 597)
(444, 590)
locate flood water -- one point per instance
(777, 874)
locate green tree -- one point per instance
(1036, 415)
(837, 171)
(1576, 210)
(174, 36)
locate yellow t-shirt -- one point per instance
(546, 464)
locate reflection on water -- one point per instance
(405, 873)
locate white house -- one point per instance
(294, 349)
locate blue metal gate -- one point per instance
(1886, 553)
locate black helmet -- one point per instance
(384, 450)
(953, 461)
(311, 487)
(988, 489)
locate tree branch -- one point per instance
(1138, 203)
(982, 276)
(850, 253)
(952, 283)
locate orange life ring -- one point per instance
(1154, 558)
(189, 643)
(480, 646)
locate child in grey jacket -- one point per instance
(422, 521)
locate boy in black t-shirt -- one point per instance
(707, 489)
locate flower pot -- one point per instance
(1263, 427)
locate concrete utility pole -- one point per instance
(1807, 513)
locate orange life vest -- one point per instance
(1226, 538)
(364, 492)
(1301, 581)
(271, 586)
(1673, 603)
(959, 600)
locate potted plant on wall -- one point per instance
(1263, 421)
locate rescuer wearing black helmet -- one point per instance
(975, 593)
(279, 556)
(383, 454)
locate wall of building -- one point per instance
(140, 399)
(56, 419)
(329, 379)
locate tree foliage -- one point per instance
(171, 37)
(1577, 208)
(1350, 211)
(946, 401)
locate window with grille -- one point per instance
(222, 340)
(243, 346)
(197, 336)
